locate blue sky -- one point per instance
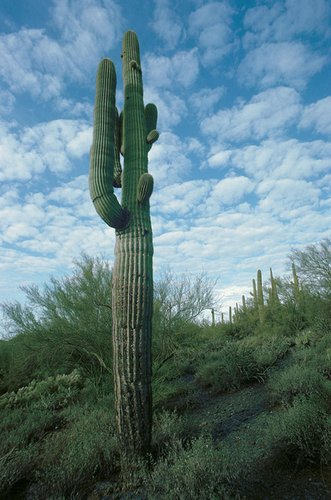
(242, 167)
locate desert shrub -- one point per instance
(296, 380)
(186, 473)
(4, 362)
(306, 338)
(267, 350)
(326, 443)
(168, 428)
(17, 467)
(22, 431)
(227, 368)
(52, 393)
(300, 427)
(318, 355)
(75, 458)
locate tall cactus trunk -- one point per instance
(212, 317)
(132, 133)
(132, 305)
(254, 293)
(260, 300)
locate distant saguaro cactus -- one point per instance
(254, 292)
(132, 134)
(274, 299)
(260, 301)
(230, 314)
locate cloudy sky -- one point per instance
(242, 167)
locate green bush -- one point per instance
(318, 355)
(18, 465)
(326, 443)
(186, 473)
(168, 428)
(79, 455)
(296, 380)
(267, 350)
(52, 393)
(301, 426)
(227, 368)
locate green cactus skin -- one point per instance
(230, 314)
(212, 317)
(243, 298)
(260, 301)
(132, 134)
(254, 292)
(274, 299)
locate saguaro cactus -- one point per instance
(260, 300)
(274, 299)
(131, 133)
(254, 293)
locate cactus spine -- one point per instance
(131, 133)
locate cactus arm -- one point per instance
(145, 188)
(151, 120)
(102, 150)
(121, 134)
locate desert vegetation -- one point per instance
(241, 409)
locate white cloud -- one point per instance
(73, 108)
(171, 108)
(33, 62)
(51, 146)
(267, 114)
(47, 231)
(282, 196)
(284, 20)
(182, 199)
(7, 101)
(232, 189)
(292, 159)
(277, 159)
(211, 25)
(289, 63)
(166, 24)
(204, 101)
(317, 116)
(166, 72)
(169, 159)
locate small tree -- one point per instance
(64, 324)
(182, 299)
(178, 304)
(313, 265)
